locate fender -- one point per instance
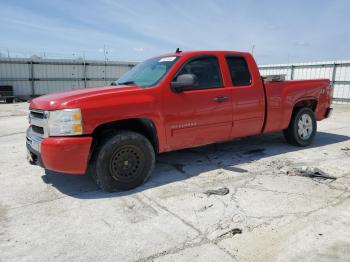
(288, 111)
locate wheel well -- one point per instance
(310, 103)
(140, 125)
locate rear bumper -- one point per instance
(61, 154)
(329, 112)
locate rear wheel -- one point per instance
(302, 127)
(123, 161)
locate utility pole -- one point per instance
(253, 48)
(105, 52)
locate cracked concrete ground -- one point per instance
(46, 216)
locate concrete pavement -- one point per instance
(46, 216)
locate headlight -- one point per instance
(66, 122)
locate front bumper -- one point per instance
(61, 154)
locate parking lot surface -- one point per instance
(273, 202)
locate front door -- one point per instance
(203, 114)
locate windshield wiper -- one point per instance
(127, 83)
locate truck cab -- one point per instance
(169, 102)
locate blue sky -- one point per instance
(280, 31)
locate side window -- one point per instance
(207, 71)
(239, 71)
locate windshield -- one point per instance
(148, 73)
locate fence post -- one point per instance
(84, 74)
(32, 78)
(333, 73)
(292, 72)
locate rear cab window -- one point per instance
(239, 70)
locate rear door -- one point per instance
(248, 101)
(202, 115)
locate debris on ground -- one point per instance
(230, 233)
(291, 173)
(220, 191)
(345, 148)
(255, 151)
(205, 208)
(312, 172)
(282, 165)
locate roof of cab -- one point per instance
(203, 52)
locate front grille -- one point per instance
(38, 129)
(37, 114)
(38, 122)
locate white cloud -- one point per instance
(301, 43)
(138, 49)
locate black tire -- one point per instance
(295, 135)
(123, 161)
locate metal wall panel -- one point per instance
(21, 88)
(98, 83)
(45, 76)
(33, 77)
(276, 71)
(342, 92)
(46, 87)
(313, 72)
(95, 71)
(342, 73)
(58, 71)
(8, 70)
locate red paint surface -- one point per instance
(183, 120)
(66, 154)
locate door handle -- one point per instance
(220, 99)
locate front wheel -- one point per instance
(124, 161)
(302, 127)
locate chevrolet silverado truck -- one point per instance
(170, 102)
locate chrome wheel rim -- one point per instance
(305, 127)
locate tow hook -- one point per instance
(30, 158)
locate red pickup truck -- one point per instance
(169, 102)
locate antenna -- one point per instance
(178, 50)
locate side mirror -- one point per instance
(184, 82)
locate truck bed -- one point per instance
(282, 96)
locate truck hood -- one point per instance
(75, 98)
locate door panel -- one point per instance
(203, 114)
(195, 118)
(248, 111)
(248, 101)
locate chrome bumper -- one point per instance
(33, 143)
(33, 140)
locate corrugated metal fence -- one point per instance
(337, 71)
(33, 77)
